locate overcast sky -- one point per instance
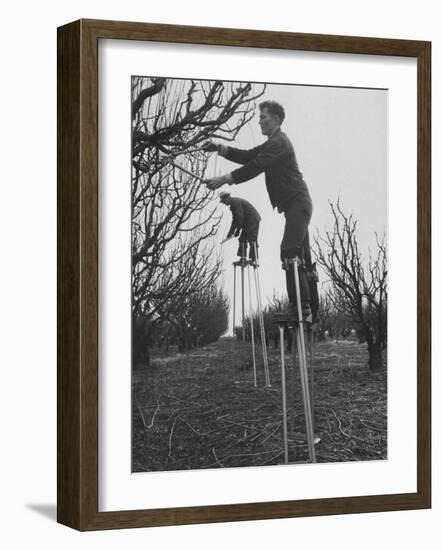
(340, 140)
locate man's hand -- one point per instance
(211, 146)
(215, 183)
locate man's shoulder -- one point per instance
(248, 204)
(281, 138)
(241, 201)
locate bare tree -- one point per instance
(173, 215)
(325, 312)
(194, 275)
(174, 287)
(359, 289)
(206, 317)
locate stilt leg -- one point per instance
(312, 376)
(284, 396)
(234, 300)
(261, 318)
(264, 343)
(303, 367)
(292, 328)
(242, 294)
(251, 327)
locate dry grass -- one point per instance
(201, 410)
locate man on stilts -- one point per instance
(245, 224)
(287, 191)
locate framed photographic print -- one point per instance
(243, 274)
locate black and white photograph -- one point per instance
(259, 249)
(218, 264)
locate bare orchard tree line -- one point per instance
(198, 322)
(202, 319)
(331, 324)
(334, 324)
(358, 287)
(174, 222)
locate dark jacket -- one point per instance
(276, 157)
(244, 216)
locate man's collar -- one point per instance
(275, 131)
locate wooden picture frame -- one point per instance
(77, 225)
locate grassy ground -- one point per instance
(201, 410)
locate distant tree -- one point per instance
(359, 289)
(165, 336)
(209, 315)
(277, 304)
(196, 299)
(325, 314)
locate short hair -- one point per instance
(274, 108)
(223, 196)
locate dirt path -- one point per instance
(201, 410)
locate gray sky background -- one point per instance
(340, 140)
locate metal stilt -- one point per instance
(234, 300)
(243, 317)
(251, 328)
(284, 393)
(261, 317)
(243, 264)
(303, 364)
(311, 377)
(299, 355)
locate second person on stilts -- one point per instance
(245, 225)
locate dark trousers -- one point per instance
(295, 243)
(248, 241)
(303, 283)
